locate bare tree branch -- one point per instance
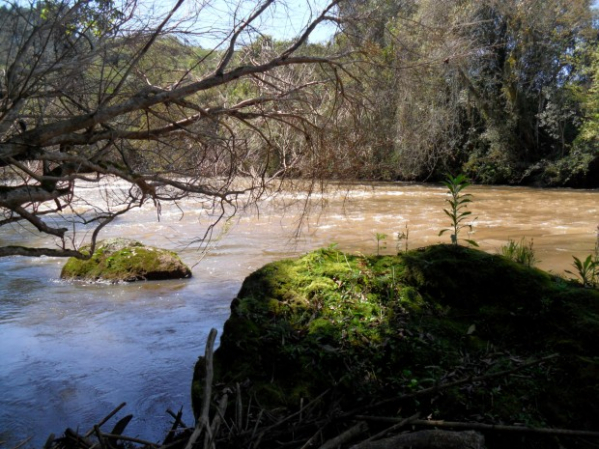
(94, 94)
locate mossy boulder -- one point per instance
(371, 328)
(125, 260)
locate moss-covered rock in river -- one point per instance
(125, 260)
(371, 328)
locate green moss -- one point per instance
(410, 298)
(125, 260)
(373, 327)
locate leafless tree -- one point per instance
(129, 99)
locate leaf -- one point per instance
(471, 329)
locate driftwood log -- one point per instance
(428, 439)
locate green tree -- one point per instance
(586, 145)
(482, 86)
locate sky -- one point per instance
(285, 19)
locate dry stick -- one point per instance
(171, 433)
(238, 408)
(101, 440)
(346, 436)
(175, 415)
(248, 414)
(257, 424)
(216, 422)
(81, 442)
(177, 443)
(310, 441)
(431, 439)
(381, 434)
(23, 443)
(480, 426)
(204, 418)
(284, 420)
(101, 423)
(48, 443)
(181, 423)
(444, 386)
(132, 439)
(503, 428)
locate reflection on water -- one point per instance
(71, 352)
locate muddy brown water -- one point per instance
(70, 353)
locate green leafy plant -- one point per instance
(379, 237)
(521, 252)
(588, 269)
(459, 203)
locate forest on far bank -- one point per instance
(504, 91)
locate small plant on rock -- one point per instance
(403, 236)
(459, 203)
(380, 237)
(521, 252)
(588, 269)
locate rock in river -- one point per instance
(126, 260)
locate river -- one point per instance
(72, 352)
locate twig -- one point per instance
(381, 434)
(132, 439)
(101, 423)
(284, 420)
(238, 408)
(99, 436)
(171, 433)
(48, 443)
(181, 423)
(432, 439)
(204, 416)
(481, 426)
(257, 424)
(216, 421)
(82, 442)
(23, 443)
(310, 441)
(346, 436)
(504, 428)
(248, 414)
